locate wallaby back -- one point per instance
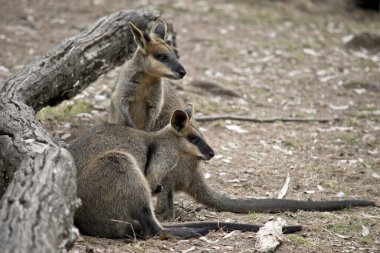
(118, 167)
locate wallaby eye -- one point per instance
(194, 139)
(161, 57)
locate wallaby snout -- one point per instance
(207, 152)
(180, 72)
(210, 154)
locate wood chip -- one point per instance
(269, 236)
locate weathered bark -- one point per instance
(37, 208)
(77, 62)
(37, 177)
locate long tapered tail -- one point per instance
(229, 226)
(207, 196)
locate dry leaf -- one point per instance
(347, 38)
(311, 52)
(320, 188)
(204, 238)
(188, 250)
(235, 232)
(373, 152)
(226, 160)
(343, 236)
(339, 107)
(287, 152)
(365, 231)
(236, 128)
(65, 136)
(284, 188)
(332, 129)
(360, 91)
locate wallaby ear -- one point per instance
(159, 28)
(189, 110)
(179, 120)
(141, 38)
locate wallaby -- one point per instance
(187, 175)
(137, 98)
(118, 167)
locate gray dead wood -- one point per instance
(263, 120)
(37, 177)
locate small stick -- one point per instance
(124, 222)
(263, 120)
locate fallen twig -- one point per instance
(264, 120)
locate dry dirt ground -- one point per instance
(285, 60)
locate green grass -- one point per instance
(368, 107)
(91, 240)
(297, 239)
(288, 143)
(323, 216)
(348, 138)
(254, 216)
(367, 163)
(318, 168)
(64, 111)
(352, 224)
(366, 241)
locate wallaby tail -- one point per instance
(230, 226)
(209, 197)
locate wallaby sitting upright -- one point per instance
(133, 91)
(138, 95)
(118, 167)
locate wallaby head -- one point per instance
(156, 57)
(191, 141)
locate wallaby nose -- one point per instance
(211, 154)
(181, 73)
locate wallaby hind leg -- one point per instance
(116, 200)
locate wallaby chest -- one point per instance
(145, 94)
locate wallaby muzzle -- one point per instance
(178, 71)
(208, 154)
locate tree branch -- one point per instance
(263, 120)
(76, 62)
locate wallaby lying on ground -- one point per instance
(118, 167)
(133, 93)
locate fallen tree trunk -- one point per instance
(37, 177)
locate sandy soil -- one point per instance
(284, 60)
